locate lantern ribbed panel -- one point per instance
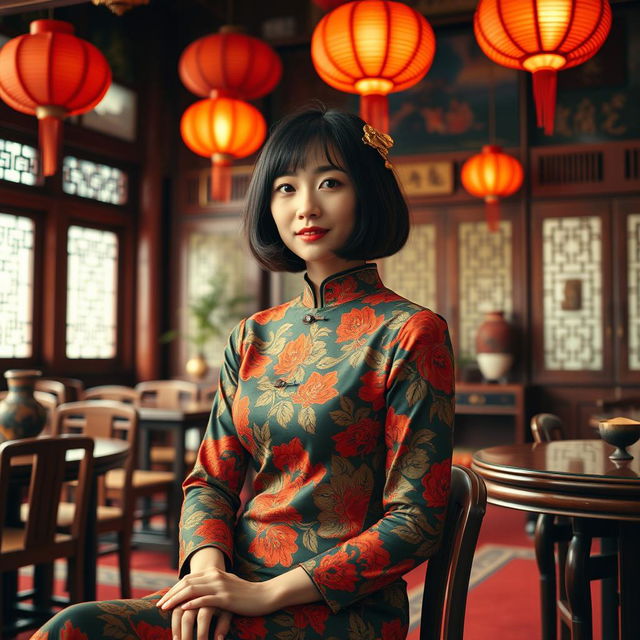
(52, 68)
(512, 31)
(376, 39)
(231, 64)
(491, 174)
(223, 126)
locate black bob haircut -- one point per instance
(382, 218)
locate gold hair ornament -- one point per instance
(381, 142)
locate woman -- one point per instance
(340, 401)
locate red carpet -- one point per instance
(503, 602)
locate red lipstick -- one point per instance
(312, 234)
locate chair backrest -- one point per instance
(116, 392)
(444, 599)
(48, 469)
(168, 394)
(104, 419)
(54, 387)
(546, 427)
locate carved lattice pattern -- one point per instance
(486, 280)
(412, 271)
(19, 163)
(209, 254)
(633, 289)
(92, 269)
(572, 251)
(94, 181)
(16, 291)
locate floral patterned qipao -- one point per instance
(343, 409)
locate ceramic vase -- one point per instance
(494, 346)
(21, 415)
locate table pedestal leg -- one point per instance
(577, 582)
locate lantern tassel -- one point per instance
(50, 133)
(492, 213)
(545, 83)
(374, 110)
(221, 178)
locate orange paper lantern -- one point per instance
(373, 47)
(492, 175)
(542, 36)
(230, 64)
(50, 73)
(222, 129)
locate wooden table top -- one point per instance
(566, 477)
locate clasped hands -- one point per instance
(200, 596)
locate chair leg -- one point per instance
(577, 581)
(565, 630)
(124, 563)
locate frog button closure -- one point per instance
(280, 383)
(309, 319)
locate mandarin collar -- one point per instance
(343, 286)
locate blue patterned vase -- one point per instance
(21, 416)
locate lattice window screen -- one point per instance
(16, 291)
(633, 291)
(92, 293)
(209, 254)
(572, 261)
(412, 271)
(485, 278)
(19, 163)
(94, 181)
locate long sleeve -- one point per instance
(212, 489)
(418, 430)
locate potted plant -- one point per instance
(210, 314)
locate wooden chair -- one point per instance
(168, 394)
(107, 419)
(117, 392)
(39, 542)
(444, 599)
(73, 387)
(552, 534)
(54, 387)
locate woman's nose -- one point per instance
(307, 206)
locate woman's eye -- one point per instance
(284, 188)
(330, 183)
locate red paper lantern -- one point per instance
(329, 5)
(50, 73)
(230, 64)
(542, 36)
(222, 129)
(492, 175)
(373, 47)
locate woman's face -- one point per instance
(314, 209)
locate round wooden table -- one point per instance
(575, 478)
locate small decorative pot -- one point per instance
(21, 415)
(494, 346)
(197, 367)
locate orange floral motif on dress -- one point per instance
(439, 366)
(356, 323)
(214, 529)
(241, 420)
(276, 507)
(220, 458)
(318, 389)
(250, 628)
(291, 455)
(146, 631)
(371, 549)
(271, 315)
(341, 291)
(373, 388)
(275, 544)
(337, 572)
(394, 630)
(311, 614)
(294, 354)
(69, 632)
(436, 484)
(254, 364)
(358, 439)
